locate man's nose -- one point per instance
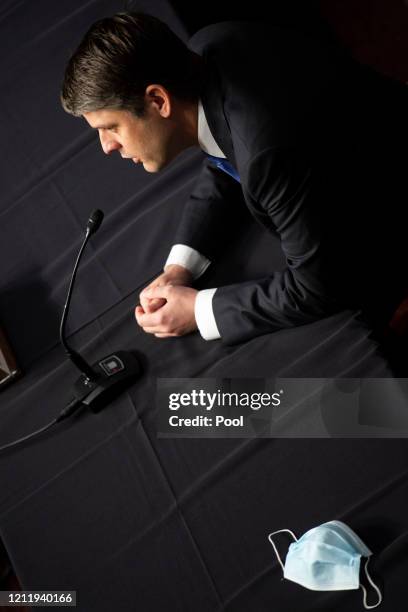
(108, 144)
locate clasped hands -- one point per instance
(167, 305)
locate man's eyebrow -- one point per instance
(106, 126)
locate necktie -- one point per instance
(223, 164)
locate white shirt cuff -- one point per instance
(189, 258)
(204, 315)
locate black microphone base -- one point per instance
(114, 374)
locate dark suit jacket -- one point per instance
(301, 124)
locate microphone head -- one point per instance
(94, 221)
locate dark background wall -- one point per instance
(374, 31)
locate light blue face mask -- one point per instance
(327, 558)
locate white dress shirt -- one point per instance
(191, 259)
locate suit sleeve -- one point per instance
(213, 212)
(281, 183)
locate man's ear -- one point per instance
(158, 97)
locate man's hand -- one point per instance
(172, 275)
(175, 317)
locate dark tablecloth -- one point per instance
(101, 504)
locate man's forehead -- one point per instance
(105, 118)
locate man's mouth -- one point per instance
(136, 160)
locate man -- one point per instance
(292, 129)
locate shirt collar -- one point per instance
(205, 138)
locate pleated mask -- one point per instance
(327, 558)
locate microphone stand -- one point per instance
(106, 379)
(77, 360)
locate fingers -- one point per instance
(149, 302)
(149, 305)
(154, 323)
(148, 319)
(138, 312)
(160, 334)
(167, 311)
(159, 291)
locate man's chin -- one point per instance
(150, 168)
(153, 167)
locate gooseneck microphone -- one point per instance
(101, 382)
(94, 223)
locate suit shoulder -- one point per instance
(218, 34)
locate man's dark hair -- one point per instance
(119, 57)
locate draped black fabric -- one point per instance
(101, 504)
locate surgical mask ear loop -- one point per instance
(366, 605)
(274, 547)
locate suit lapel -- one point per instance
(212, 100)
